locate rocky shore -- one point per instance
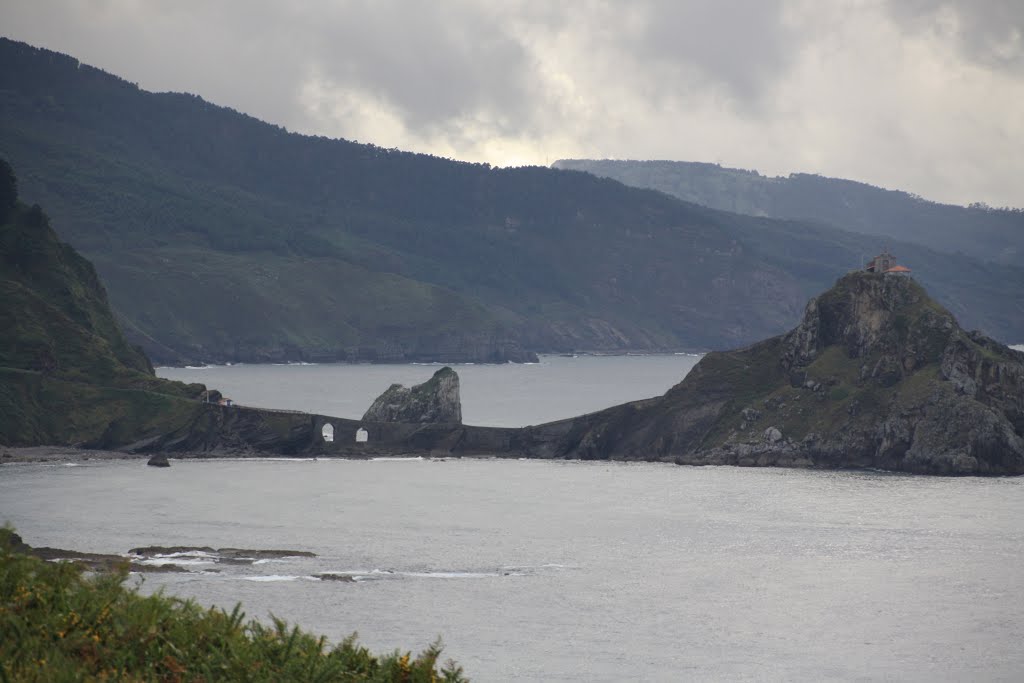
(158, 559)
(62, 454)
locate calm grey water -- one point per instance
(493, 395)
(583, 571)
(551, 571)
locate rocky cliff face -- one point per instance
(435, 401)
(875, 375)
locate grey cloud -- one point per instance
(433, 61)
(743, 45)
(988, 31)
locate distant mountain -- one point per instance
(983, 232)
(67, 374)
(222, 238)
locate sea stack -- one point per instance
(435, 401)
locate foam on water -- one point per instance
(180, 561)
(450, 575)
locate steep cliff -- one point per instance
(67, 374)
(875, 375)
(435, 401)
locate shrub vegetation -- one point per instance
(59, 623)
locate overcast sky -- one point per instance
(921, 95)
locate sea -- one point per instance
(507, 395)
(565, 571)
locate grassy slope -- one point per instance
(208, 304)
(67, 375)
(54, 310)
(38, 409)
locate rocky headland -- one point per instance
(876, 375)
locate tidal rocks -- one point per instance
(435, 401)
(343, 578)
(217, 554)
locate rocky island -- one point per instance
(876, 375)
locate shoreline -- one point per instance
(39, 455)
(55, 454)
(569, 354)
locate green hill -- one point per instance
(222, 238)
(55, 315)
(67, 375)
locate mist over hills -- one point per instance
(223, 238)
(979, 231)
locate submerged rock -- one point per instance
(435, 401)
(343, 578)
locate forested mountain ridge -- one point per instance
(977, 230)
(222, 238)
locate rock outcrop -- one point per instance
(435, 401)
(875, 375)
(159, 460)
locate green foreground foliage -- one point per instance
(60, 624)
